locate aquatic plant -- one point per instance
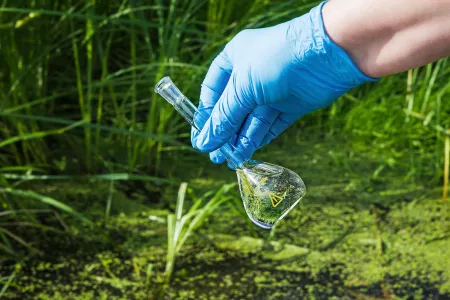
(181, 226)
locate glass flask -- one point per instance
(268, 191)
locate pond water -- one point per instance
(352, 236)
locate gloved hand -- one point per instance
(266, 79)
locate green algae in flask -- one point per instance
(269, 192)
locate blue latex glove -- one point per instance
(266, 79)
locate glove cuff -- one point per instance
(351, 72)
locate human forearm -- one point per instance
(385, 37)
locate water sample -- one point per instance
(268, 191)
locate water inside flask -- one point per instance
(269, 192)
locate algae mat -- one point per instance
(352, 237)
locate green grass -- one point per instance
(91, 66)
(181, 226)
(83, 137)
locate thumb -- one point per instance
(226, 118)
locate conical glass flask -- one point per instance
(268, 191)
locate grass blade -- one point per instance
(46, 200)
(109, 201)
(39, 134)
(446, 169)
(106, 177)
(7, 284)
(82, 124)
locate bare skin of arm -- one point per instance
(389, 36)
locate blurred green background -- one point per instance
(92, 165)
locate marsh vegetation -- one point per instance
(93, 167)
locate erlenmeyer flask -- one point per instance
(268, 191)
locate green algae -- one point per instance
(227, 266)
(327, 247)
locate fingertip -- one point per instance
(283, 121)
(215, 132)
(194, 137)
(245, 147)
(204, 143)
(217, 157)
(267, 139)
(231, 166)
